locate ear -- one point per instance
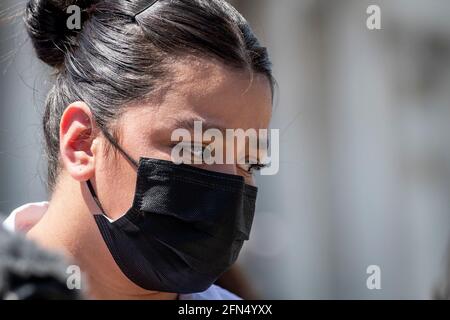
(76, 141)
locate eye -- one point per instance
(194, 151)
(250, 165)
(256, 167)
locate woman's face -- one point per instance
(201, 90)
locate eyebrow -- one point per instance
(189, 124)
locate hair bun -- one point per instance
(46, 23)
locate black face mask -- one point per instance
(185, 228)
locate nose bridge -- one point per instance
(226, 168)
(231, 169)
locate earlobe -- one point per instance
(76, 139)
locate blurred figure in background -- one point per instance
(31, 273)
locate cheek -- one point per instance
(116, 183)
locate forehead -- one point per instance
(207, 90)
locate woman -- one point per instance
(138, 225)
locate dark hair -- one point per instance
(123, 52)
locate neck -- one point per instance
(68, 226)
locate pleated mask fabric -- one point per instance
(185, 228)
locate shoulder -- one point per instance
(213, 293)
(25, 217)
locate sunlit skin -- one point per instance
(201, 89)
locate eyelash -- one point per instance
(251, 168)
(256, 167)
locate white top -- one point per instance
(25, 217)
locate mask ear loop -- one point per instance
(125, 154)
(94, 196)
(119, 148)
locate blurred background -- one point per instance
(365, 154)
